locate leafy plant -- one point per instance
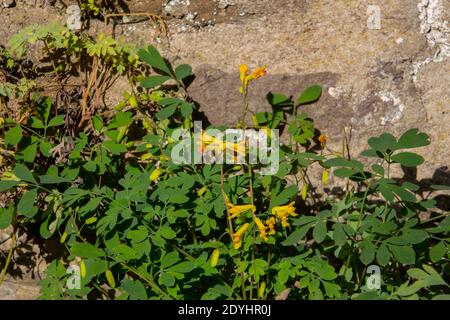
(140, 226)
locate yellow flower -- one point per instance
(283, 212)
(261, 228)
(271, 225)
(155, 174)
(215, 257)
(237, 210)
(243, 69)
(1, 121)
(322, 140)
(237, 236)
(82, 269)
(211, 141)
(257, 73)
(325, 174)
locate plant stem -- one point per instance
(150, 281)
(8, 259)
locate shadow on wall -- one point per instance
(217, 93)
(441, 176)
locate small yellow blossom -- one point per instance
(155, 174)
(243, 69)
(237, 236)
(82, 269)
(202, 191)
(271, 225)
(322, 140)
(304, 191)
(215, 257)
(1, 121)
(237, 210)
(246, 78)
(261, 228)
(259, 72)
(283, 212)
(325, 174)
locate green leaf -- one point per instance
(438, 251)
(154, 81)
(367, 252)
(404, 254)
(56, 121)
(29, 153)
(13, 136)
(47, 179)
(339, 235)
(122, 119)
(442, 297)
(135, 288)
(378, 169)
(183, 267)
(23, 173)
(152, 57)
(342, 162)
(186, 109)
(435, 278)
(167, 232)
(26, 204)
(439, 187)
(166, 112)
(383, 255)
(405, 290)
(115, 148)
(124, 253)
(404, 194)
(415, 236)
(344, 172)
(97, 122)
(45, 148)
(37, 123)
(169, 259)
(311, 94)
(86, 250)
(408, 159)
(7, 184)
(297, 235)
(183, 71)
(320, 231)
(278, 100)
(284, 196)
(6, 216)
(412, 139)
(384, 143)
(138, 235)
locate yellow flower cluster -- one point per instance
(215, 144)
(271, 225)
(237, 210)
(261, 228)
(237, 236)
(246, 77)
(283, 212)
(265, 230)
(323, 140)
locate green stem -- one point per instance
(150, 281)
(8, 259)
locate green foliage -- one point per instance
(138, 223)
